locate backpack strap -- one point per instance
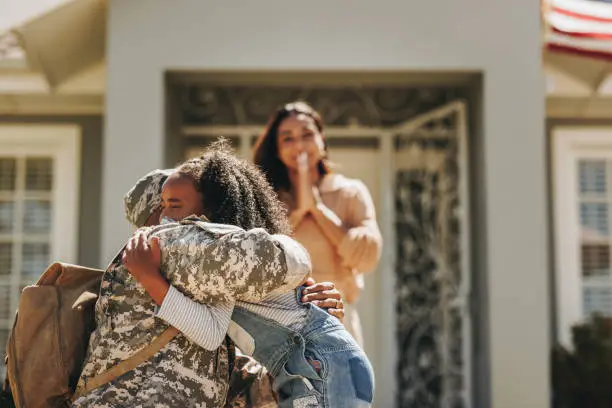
(126, 365)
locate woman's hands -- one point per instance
(325, 295)
(142, 259)
(307, 194)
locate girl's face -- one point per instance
(180, 198)
(298, 133)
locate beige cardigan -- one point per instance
(360, 249)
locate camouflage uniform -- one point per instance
(210, 263)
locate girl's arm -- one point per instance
(197, 262)
(205, 325)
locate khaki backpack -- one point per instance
(47, 345)
(48, 342)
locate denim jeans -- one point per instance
(319, 365)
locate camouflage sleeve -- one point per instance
(299, 266)
(209, 267)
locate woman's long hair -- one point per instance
(266, 147)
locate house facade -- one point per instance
(437, 107)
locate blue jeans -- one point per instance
(319, 365)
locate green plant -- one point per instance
(582, 377)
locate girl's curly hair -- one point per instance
(234, 191)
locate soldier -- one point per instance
(183, 373)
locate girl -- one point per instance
(250, 384)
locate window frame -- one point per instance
(63, 144)
(570, 145)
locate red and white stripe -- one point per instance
(579, 26)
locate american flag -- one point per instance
(579, 27)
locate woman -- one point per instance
(332, 216)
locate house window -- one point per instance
(582, 174)
(38, 208)
(594, 203)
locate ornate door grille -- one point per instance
(432, 263)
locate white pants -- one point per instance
(352, 322)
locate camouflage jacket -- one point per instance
(208, 263)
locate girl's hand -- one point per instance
(142, 259)
(324, 295)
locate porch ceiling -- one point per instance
(59, 42)
(15, 13)
(577, 86)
